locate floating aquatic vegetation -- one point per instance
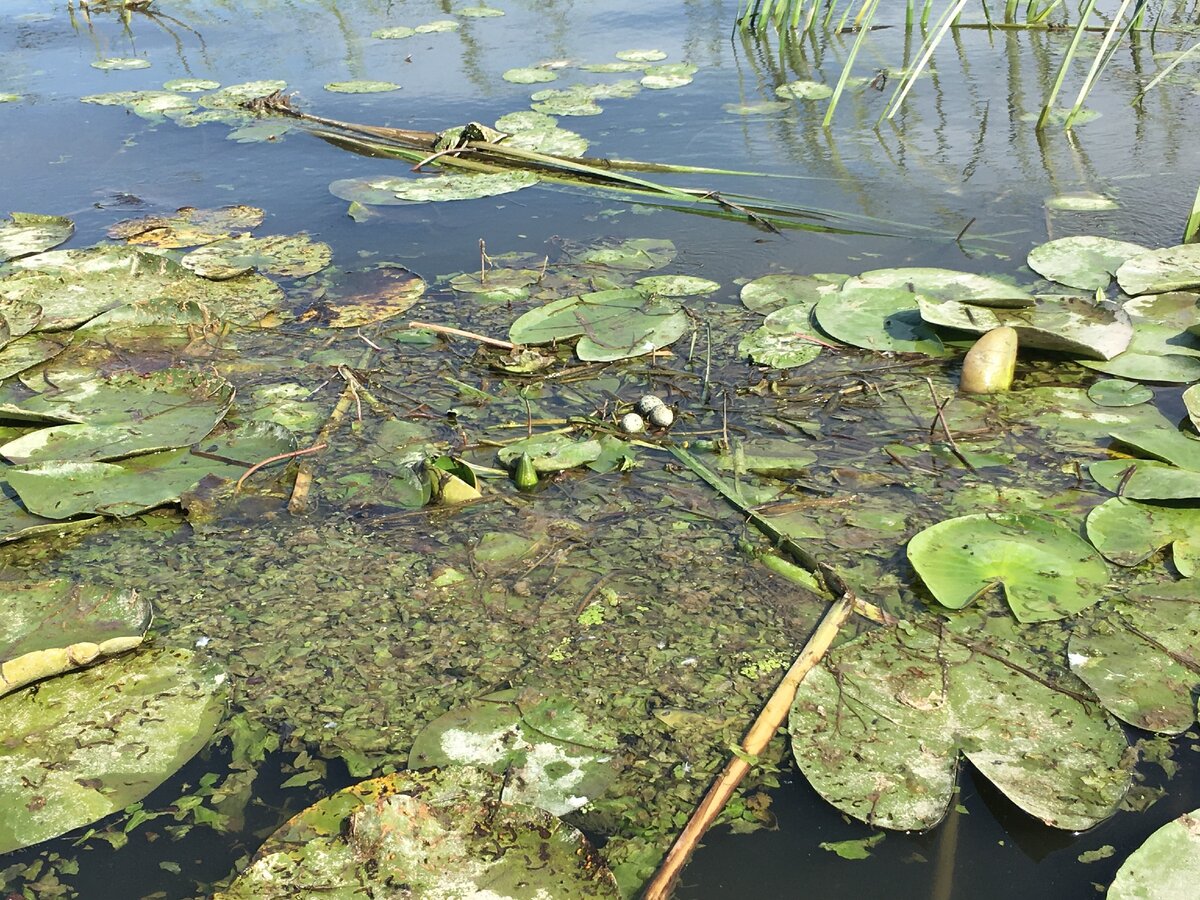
(437, 26)
(550, 754)
(552, 452)
(1155, 353)
(1082, 201)
(190, 85)
(120, 63)
(531, 75)
(235, 96)
(878, 727)
(370, 295)
(761, 108)
(632, 255)
(674, 75)
(1172, 471)
(1159, 271)
(444, 831)
(1136, 655)
(877, 318)
(51, 627)
(287, 256)
(804, 90)
(1046, 572)
(1115, 392)
(188, 227)
(23, 234)
(786, 339)
(393, 33)
(1086, 262)
(770, 292)
(610, 325)
(361, 87)
(640, 56)
(676, 285)
(776, 457)
(390, 190)
(1166, 865)
(154, 106)
(1128, 533)
(90, 743)
(945, 284)
(479, 12)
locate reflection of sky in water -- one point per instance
(959, 149)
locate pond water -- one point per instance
(331, 625)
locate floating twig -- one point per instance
(278, 458)
(469, 335)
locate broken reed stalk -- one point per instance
(469, 335)
(1191, 230)
(755, 742)
(304, 478)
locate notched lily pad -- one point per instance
(552, 452)
(288, 256)
(880, 319)
(23, 234)
(611, 325)
(945, 284)
(1046, 571)
(1128, 533)
(1158, 271)
(877, 729)
(1085, 262)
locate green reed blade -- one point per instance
(1085, 15)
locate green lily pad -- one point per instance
(1158, 271)
(23, 234)
(1173, 310)
(440, 833)
(28, 351)
(565, 103)
(376, 191)
(7, 97)
(60, 490)
(1162, 441)
(616, 324)
(877, 729)
(772, 292)
(1146, 479)
(776, 457)
(525, 120)
(1046, 571)
(551, 141)
(189, 227)
(1075, 325)
(880, 319)
(1165, 867)
(610, 68)
(123, 416)
(633, 255)
(93, 742)
(1115, 392)
(659, 78)
(463, 187)
(553, 757)
(154, 106)
(288, 256)
(1128, 533)
(479, 12)
(234, 95)
(361, 87)
(191, 85)
(499, 283)
(1191, 402)
(51, 627)
(551, 452)
(1136, 656)
(1082, 201)
(120, 63)
(779, 351)
(640, 56)
(762, 108)
(395, 32)
(676, 285)
(438, 26)
(945, 284)
(531, 75)
(1155, 353)
(804, 90)
(1084, 262)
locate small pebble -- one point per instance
(662, 417)
(632, 423)
(648, 404)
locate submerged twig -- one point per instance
(277, 458)
(470, 335)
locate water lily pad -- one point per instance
(762, 108)
(525, 120)
(768, 347)
(640, 56)
(1082, 201)
(633, 255)
(188, 227)
(61, 490)
(1136, 656)
(776, 457)
(881, 319)
(1076, 325)
(499, 283)
(877, 729)
(1155, 353)
(479, 12)
(551, 141)
(1146, 479)
(532, 75)
(438, 832)
(191, 85)
(1084, 262)
(1046, 571)
(610, 68)
(439, 188)
(123, 416)
(551, 452)
(1165, 867)
(6, 97)
(676, 285)
(566, 103)
(361, 87)
(90, 743)
(438, 26)
(1158, 271)
(553, 757)
(51, 627)
(1115, 392)
(373, 295)
(288, 256)
(28, 351)
(1128, 533)
(23, 234)
(234, 95)
(804, 90)
(612, 325)
(395, 32)
(771, 292)
(1175, 309)
(659, 78)
(154, 106)
(945, 284)
(1191, 402)
(120, 63)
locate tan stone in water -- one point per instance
(989, 365)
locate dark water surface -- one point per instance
(961, 153)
